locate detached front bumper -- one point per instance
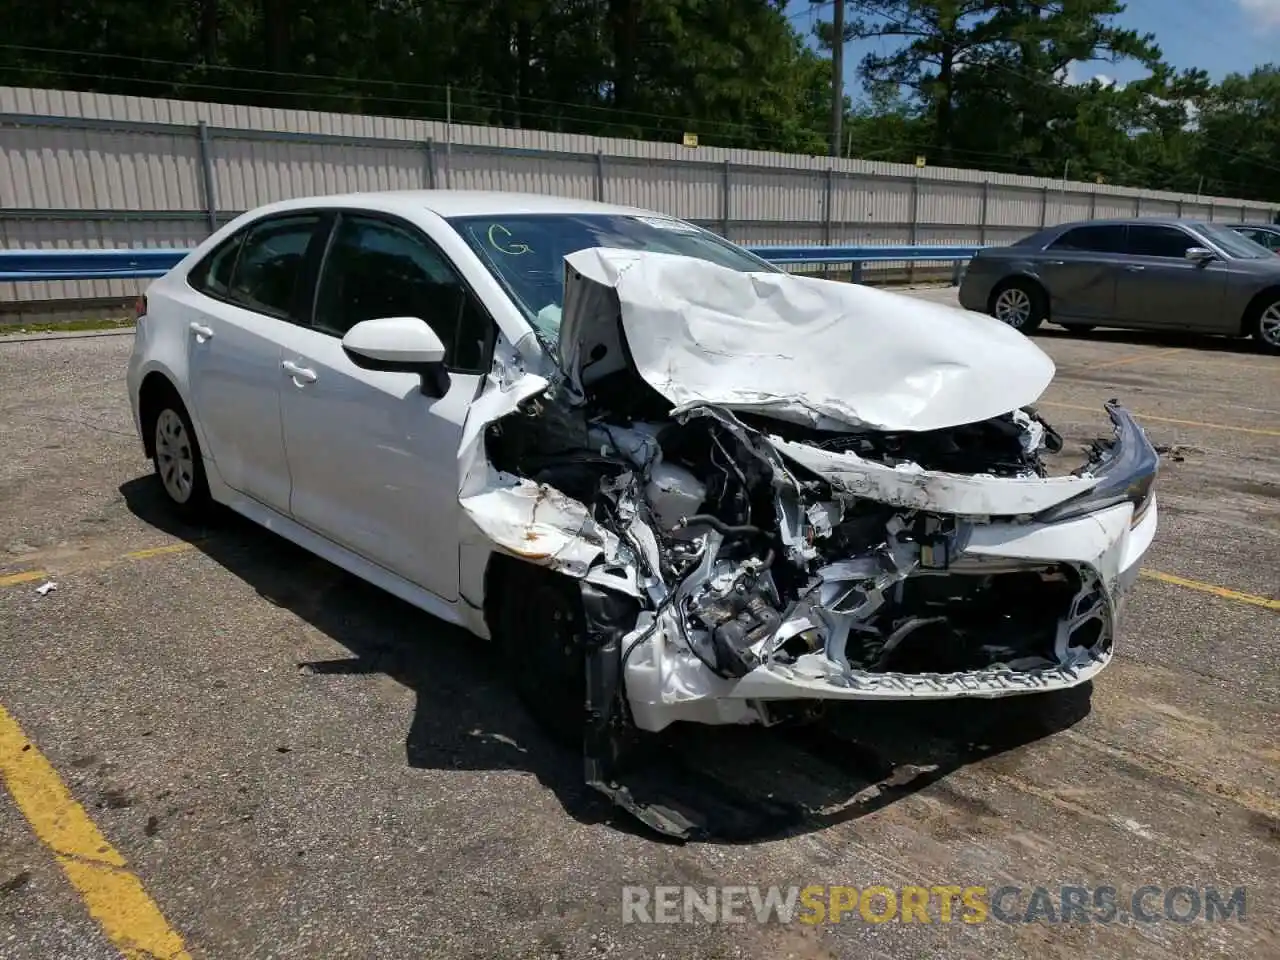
(665, 687)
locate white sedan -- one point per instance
(673, 482)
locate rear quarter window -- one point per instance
(212, 275)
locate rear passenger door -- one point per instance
(373, 459)
(1079, 273)
(1159, 288)
(246, 295)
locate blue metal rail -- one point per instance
(133, 264)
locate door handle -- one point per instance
(201, 332)
(1135, 268)
(300, 375)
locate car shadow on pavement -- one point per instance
(746, 784)
(1156, 338)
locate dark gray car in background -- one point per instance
(1265, 234)
(1148, 274)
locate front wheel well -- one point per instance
(502, 574)
(155, 390)
(1252, 313)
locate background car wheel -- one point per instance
(1266, 327)
(176, 455)
(1020, 304)
(540, 630)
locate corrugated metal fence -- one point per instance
(96, 170)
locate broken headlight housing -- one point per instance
(1125, 467)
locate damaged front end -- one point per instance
(784, 548)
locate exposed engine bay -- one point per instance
(786, 540)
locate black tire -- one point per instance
(178, 462)
(1264, 326)
(540, 631)
(1020, 303)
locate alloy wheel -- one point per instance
(1269, 325)
(1013, 306)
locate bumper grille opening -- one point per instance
(961, 622)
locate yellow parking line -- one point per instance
(1135, 357)
(115, 896)
(1225, 592)
(1261, 431)
(159, 551)
(26, 576)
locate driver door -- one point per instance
(372, 458)
(1159, 288)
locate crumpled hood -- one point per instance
(824, 354)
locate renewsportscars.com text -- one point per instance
(817, 904)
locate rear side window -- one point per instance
(269, 270)
(378, 268)
(1092, 239)
(261, 268)
(1156, 241)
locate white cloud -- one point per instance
(1073, 74)
(1265, 13)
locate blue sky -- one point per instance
(1221, 36)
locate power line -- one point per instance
(503, 102)
(812, 10)
(438, 88)
(500, 101)
(993, 161)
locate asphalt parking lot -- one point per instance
(266, 758)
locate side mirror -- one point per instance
(1200, 255)
(399, 345)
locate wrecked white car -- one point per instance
(676, 484)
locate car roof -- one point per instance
(459, 203)
(1139, 221)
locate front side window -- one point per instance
(378, 268)
(1095, 239)
(526, 252)
(1157, 241)
(269, 270)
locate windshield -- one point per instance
(1234, 244)
(526, 251)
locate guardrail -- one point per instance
(855, 257)
(134, 264)
(131, 264)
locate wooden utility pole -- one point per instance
(837, 76)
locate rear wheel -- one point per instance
(1266, 328)
(177, 459)
(1019, 303)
